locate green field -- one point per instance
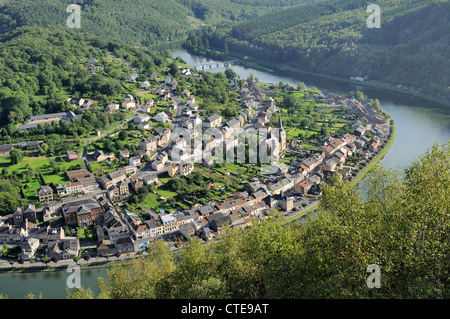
(102, 168)
(42, 165)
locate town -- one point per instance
(117, 203)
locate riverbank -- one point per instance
(372, 84)
(291, 69)
(91, 264)
(377, 158)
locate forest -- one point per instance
(138, 22)
(401, 224)
(332, 37)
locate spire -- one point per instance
(280, 124)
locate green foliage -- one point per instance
(8, 203)
(46, 260)
(80, 293)
(15, 156)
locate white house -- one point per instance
(128, 102)
(135, 161)
(168, 80)
(141, 118)
(143, 126)
(112, 107)
(145, 85)
(161, 117)
(191, 100)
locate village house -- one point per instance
(158, 165)
(148, 145)
(8, 234)
(99, 156)
(67, 248)
(124, 154)
(105, 247)
(111, 108)
(129, 170)
(111, 179)
(136, 183)
(135, 161)
(28, 248)
(145, 85)
(144, 125)
(29, 145)
(150, 180)
(20, 215)
(45, 194)
(46, 234)
(128, 102)
(161, 117)
(113, 233)
(71, 156)
(303, 187)
(82, 213)
(187, 230)
(143, 117)
(119, 190)
(5, 149)
(124, 245)
(281, 186)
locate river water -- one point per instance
(420, 124)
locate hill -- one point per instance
(138, 22)
(332, 37)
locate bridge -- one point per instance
(213, 65)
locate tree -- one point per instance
(8, 203)
(325, 131)
(46, 260)
(301, 86)
(173, 69)
(15, 156)
(4, 250)
(80, 293)
(76, 259)
(230, 74)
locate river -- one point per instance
(419, 122)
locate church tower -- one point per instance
(282, 135)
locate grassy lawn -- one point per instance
(89, 233)
(51, 178)
(310, 147)
(165, 193)
(101, 168)
(43, 166)
(148, 96)
(32, 188)
(150, 201)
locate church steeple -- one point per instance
(282, 134)
(280, 124)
